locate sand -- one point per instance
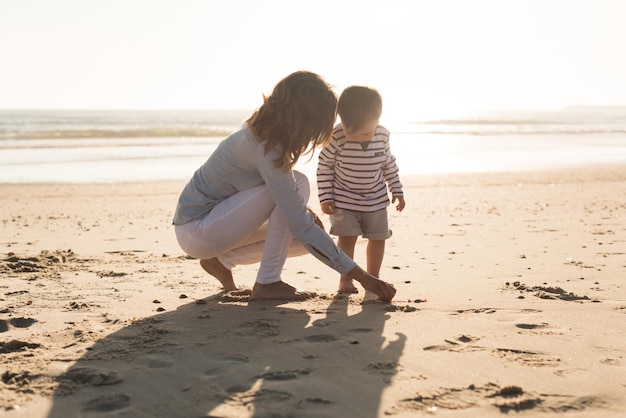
(510, 301)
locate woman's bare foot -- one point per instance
(221, 273)
(279, 290)
(346, 285)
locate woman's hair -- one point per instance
(300, 113)
(359, 105)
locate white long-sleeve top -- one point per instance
(356, 175)
(240, 163)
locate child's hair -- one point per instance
(359, 105)
(300, 113)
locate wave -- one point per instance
(422, 129)
(128, 126)
(571, 121)
(91, 124)
(505, 126)
(515, 130)
(118, 133)
(486, 122)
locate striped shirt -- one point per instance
(356, 175)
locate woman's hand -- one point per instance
(385, 291)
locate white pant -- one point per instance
(245, 228)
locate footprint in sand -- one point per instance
(477, 310)
(283, 374)
(360, 330)
(546, 292)
(257, 397)
(16, 322)
(320, 338)
(537, 329)
(397, 308)
(506, 399)
(87, 376)
(15, 346)
(460, 344)
(107, 403)
(22, 322)
(565, 372)
(384, 368)
(230, 359)
(235, 358)
(612, 361)
(527, 358)
(531, 326)
(158, 364)
(259, 328)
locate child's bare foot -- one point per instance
(221, 273)
(279, 290)
(347, 286)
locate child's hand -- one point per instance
(328, 208)
(400, 200)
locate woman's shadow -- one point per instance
(226, 357)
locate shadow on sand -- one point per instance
(231, 358)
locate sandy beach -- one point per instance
(510, 301)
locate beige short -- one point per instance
(350, 223)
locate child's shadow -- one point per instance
(226, 358)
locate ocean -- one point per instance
(67, 146)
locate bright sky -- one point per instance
(422, 55)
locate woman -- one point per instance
(246, 204)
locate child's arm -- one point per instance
(391, 173)
(326, 176)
